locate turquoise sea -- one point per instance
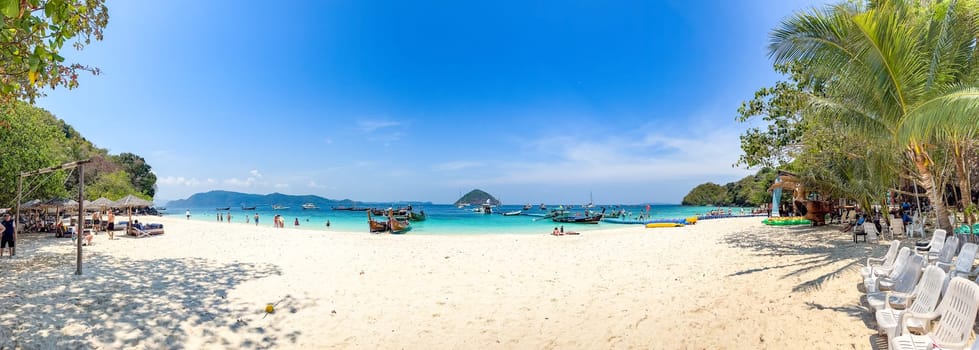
(442, 219)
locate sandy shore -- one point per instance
(721, 284)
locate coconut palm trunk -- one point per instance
(959, 152)
(922, 163)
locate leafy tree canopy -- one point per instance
(32, 34)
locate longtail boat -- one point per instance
(376, 226)
(397, 226)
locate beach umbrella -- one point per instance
(102, 202)
(31, 203)
(131, 202)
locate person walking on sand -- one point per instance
(96, 221)
(110, 229)
(188, 214)
(256, 219)
(297, 222)
(7, 234)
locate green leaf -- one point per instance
(10, 8)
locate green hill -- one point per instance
(477, 197)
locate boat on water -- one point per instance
(487, 208)
(310, 206)
(225, 208)
(513, 213)
(527, 206)
(397, 226)
(243, 207)
(588, 218)
(375, 226)
(279, 207)
(542, 207)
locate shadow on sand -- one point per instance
(126, 303)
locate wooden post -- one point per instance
(79, 234)
(20, 183)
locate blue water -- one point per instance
(442, 219)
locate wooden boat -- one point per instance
(376, 226)
(243, 207)
(225, 208)
(542, 206)
(397, 226)
(588, 219)
(419, 216)
(527, 206)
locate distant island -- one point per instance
(235, 200)
(477, 197)
(750, 191)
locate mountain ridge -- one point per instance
(222, 198)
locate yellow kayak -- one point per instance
(663, 224)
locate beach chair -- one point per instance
(870, 230)
(145, 230)
(903, 284)
(947, 253)
(935, 245)
(963, 263)
(956, 315)
(923, 299)
(903, 256)
(897, 226)
(883, 265)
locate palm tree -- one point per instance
(886, 65)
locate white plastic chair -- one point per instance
(903, 284)
(963, 263)
(897, 227)
(925, 298)
(871, 231)
(903, 256)
(947, 253)
(883, 265)
(956, 314)
(935, 245)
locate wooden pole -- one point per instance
(81, 218)
(20, 184)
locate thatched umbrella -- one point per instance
(131, 202)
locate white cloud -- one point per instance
(313, 184)
(178, 181)
(369, 126)
(646, 158)
(457, 165)
(255, 173)
(211, 181)
(281, 186)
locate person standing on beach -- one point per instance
(218, 217)
(327, 223)
(256, 219)
(96, 221)
(229, 217)
(297, 222)
(110, 229)
(188, 214)
(7, 234)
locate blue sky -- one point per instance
(539, 101)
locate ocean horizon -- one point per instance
(441, 218)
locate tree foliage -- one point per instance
(880, 90)
(32, 138)
(113, 186)
(32, 35)
(29, 141)
(751, 191)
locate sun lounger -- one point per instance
(903, 256)
(956, 315)
(881, 266)
(904, 283)
(925, 298)
(146, 230)
(963, 263)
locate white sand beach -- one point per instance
(720, 284)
